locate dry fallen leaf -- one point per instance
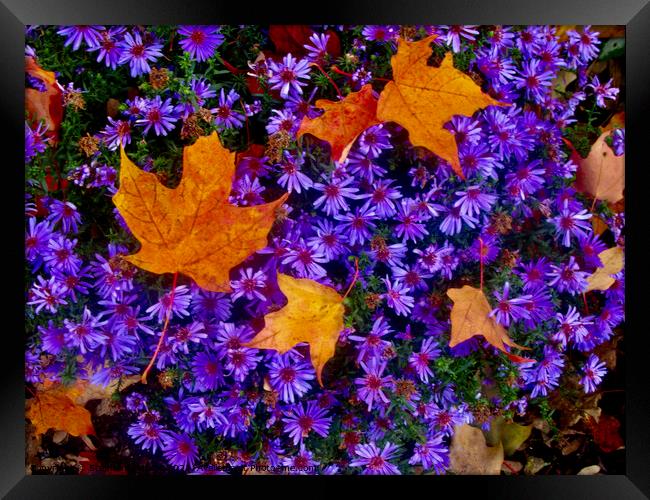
(342, 121)
(469, 453)
(601, 174)
(469, 317)
(313, 314)
(192, 229)
(589, 471)
(54, 409)
(48, 105)
(601, 279)
(510, 434)
(423, 98)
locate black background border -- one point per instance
(14, 14)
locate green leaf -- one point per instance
(614, 47)
(511, 435)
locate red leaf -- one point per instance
(290, 38)
(606, 433)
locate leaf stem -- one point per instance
(143, 379)
(354, 279)
(480, 258)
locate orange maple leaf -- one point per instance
(601, 174)
(48, 105)
(192, 229)
(423, 98)
(342, 121)
(313, 314)
(470, 317)
(54, 408)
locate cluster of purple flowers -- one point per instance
(414, 226)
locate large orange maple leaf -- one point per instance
(54, 408)
(423, 98)
(192, 229)
(313, 314)
(342, 121)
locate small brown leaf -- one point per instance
(469, 453)
(601, 174)
(612, 260)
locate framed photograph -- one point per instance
(361, 242)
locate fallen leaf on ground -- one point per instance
(509, 467)
(342, 121)
(193, 229)
(606, 433)
(470, 317)
(601, 279)
(509, 434)
(601, 174)
(589, 471)
(534, 465)
(54, 409)
(313, 314)
(469, 453)
(48, 105)
(423, 98)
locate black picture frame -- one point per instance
(634, 14)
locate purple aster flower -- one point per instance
(66, 213)
(571, 327)
(150, 436)
(526, 180)
(208, 415)
(328, 240)
(591, 246)
(602, 91)
(287, 75)
(132, 322)
(139, 53)
(381, 198)
(317, 48)
(372, 384)
(430, 258)
(509, 310)
(466, 130)
(473, 200)
(420, 361)
(158, 114)
(305, 260)
(534, 80)
(208, 371)
(282, 120)
(178, 307)
(585, 43)
(180, 450)
(397, 298)
(35, 141)
(409, 219)
(52, 338)
(528, 40)
(449, 260)
(225, 116)
(373, 345)
(109, 46)
(60, 255)
(358, 226)
(89, 34)
(539, 307)
(36, 240)
(533, 273)
(374, 140)
(200, 41)
(364, 167)
(411, 275)
(380, 33)
(183, 335)
(303, 463)
(334, 195)
(376, 460)
(247, 192)
(594, 370)
(453, 222)
(433, 454)
(452, 34)
(571, 222)
(618, 141)
(249, 285)
(84, 334)
(392, 255)
(302, 419)
(292, 179)
(290, 377)
(48, 294)
(567, 277)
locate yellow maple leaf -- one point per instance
(601, 174)
(342, 121)
(313, 314)
(470, 317)
(53, 408)
(423, 98)
(192, 229)
(601, 279)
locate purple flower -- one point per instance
(376, 460)
(381, 198)
(534, 80)
(208, 371)
(150, 436)
(583, 45)
(300, 420)
(380, 33)
(453, 222)
(200, 41)
(48, 294)
(364, 167)
(571, 222)
(410, 225)
(290, 377)
(180, 450)
(292, 179)
(109, 46)
(178, 307)
(84, 334)
(372, 384)
(158, 114)
(116, 133)
(568, 277)
(602, 91)
(533, 273)
(618, 141)
(249, 284)
(306, 260)
(452, 34)
(317, 51)
(397, 298)
(91, 35)
(287, 75)
(328, 239)
(224, 114)
(420, 361)
(374, 140)
(303, 463)
(473, 200)
(335, 194)
(593, 372)
(139, 54)
(36, 240)
(433, 454)
(60, 255)
(358, 226)
(571, 327)
(66, 213)
(373, 345)
(509, 310)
